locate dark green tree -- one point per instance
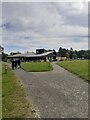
(4, 57)
(74, 55)
(67, 55)
(71, 53)
(62, 51)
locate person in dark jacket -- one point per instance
(19, 63)
(16, 63)
(13, 64)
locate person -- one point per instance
(15, 63)
(12, 64)
(19, 63)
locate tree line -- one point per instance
(74, 54)
(69, 53)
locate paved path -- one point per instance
(56, 94)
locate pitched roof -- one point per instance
(31, 54)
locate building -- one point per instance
(59, 58)
(40, 55)
(31, 56)
(40, 51)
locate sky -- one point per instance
(27, 26)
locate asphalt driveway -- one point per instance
(56, 94)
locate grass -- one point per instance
(78, 67)
(36, 66)
(14, 102)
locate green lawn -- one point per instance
(36, 66)
(79, 67)
(14, 102)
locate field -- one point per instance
(79, 67)
(36, 66)
(14, 102)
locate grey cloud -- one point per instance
(13, 26)
(71, 15)
(39, 17)
(43, 25)
(74, 20)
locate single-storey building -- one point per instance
(59, 57)
(40, 55)
(31, 56)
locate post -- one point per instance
(5, 69)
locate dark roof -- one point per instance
(41, 49)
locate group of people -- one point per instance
(16, 63)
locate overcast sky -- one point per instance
(27, 26)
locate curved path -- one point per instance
(56, 94)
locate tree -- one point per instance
(74, 56)
(62, 51)
(88, 54)
(71, 53)
(67, 55)
(85, 55)
(80, 53)
(4, 56)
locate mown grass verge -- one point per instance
(36, 66)
(14, 102)
(78, 67)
